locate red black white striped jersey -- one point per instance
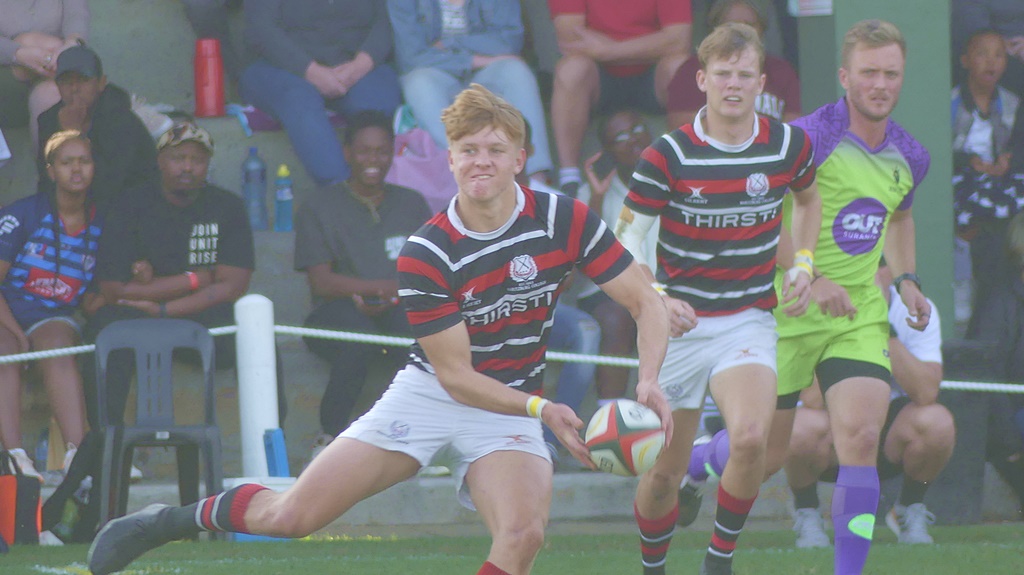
(721, 211)
(503, 284)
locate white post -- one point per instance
(257, 379)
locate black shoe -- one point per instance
(715, 567)
(690, 498)
(125, 539)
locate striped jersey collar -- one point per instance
(456, 221)
(698, 130)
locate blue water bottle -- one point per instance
(254, 189)
(283, 200)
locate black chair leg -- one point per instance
(212, 469)
(124, 477)
(188, 473)
(109, 475)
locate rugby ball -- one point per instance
(625, 438)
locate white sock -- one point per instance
(566, 175)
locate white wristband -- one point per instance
(535, 406)
(794, 271)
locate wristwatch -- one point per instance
(905, 277)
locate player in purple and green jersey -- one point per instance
(868, 168)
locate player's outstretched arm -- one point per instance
(632, 290)
(449, 353)
(901, 254)
(796, 284)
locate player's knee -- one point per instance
(936, 419)
(575, 72)
(523, 540)
(807, 439)
(862, 441)
(748, 442)
(664, 482)
(941, 430)
(930, 424)
(803, 450)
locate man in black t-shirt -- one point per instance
(347, 239)
(182, 250)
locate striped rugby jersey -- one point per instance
(28, 244)
(503, 284)
(721, 210)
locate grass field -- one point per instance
(988, 549)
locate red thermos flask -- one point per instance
(209, 76)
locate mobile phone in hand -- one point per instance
(604, 165)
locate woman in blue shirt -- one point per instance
(47, 257)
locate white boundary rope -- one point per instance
(406, 341)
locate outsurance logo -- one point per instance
(858, 227)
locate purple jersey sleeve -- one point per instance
(825, 127)
(916, 155)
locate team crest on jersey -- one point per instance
(896, 175)
(522, 269)
(8, 224)
(757, 184)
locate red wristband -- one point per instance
(193, 280)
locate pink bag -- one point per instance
(422, 166)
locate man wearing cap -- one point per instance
(123, 151)
(181, 249)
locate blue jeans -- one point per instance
(573, 331)
(428, 91)
(303, 111)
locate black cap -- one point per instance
(79, 59)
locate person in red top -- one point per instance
(615, 55)
(781, 96)
(479, 283)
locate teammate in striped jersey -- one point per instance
(717, 186)
(479, 283)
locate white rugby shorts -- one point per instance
(716, 344)
(416, 416)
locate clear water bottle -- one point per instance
(283, 200)
(254, 189)
(42, 454)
